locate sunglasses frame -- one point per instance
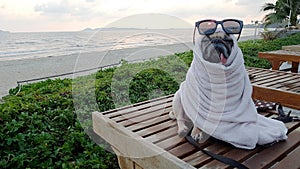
(197, 24)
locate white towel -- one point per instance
(217, 99)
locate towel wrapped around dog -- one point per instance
(217, 98)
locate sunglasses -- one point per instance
(209, 26)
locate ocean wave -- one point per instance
(35, 45)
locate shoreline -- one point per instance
(25, 69)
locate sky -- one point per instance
(74, 15)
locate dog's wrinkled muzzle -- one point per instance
(223, 47)
(217, 47)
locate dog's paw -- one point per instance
(172, 115)
(201, 137)
(182, 131)
(197, 137)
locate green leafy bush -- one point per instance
(250, 49)
(40, 126)
(271, 35)
(39, 129)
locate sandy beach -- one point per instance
(26, 69)
(20, 70)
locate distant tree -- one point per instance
(281, 11)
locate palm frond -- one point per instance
(267, 7)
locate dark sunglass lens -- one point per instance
(207, 27)
(232, 27)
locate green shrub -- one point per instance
(271, 35)
(39, 129)
(132, 83)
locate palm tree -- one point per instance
(281, 11)
(295, 10)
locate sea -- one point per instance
(30, 45)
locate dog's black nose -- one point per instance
(216, 40)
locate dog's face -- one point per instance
(216, 48)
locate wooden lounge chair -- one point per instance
(143, 135)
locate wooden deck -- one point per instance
(143, 136)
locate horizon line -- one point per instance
(106, 28)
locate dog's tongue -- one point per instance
(223, 59)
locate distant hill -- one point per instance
(1, 31)
(87, 29)
(108, 29)
(274, 25)
(114, 28)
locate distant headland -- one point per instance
(1, 31)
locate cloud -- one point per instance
(249, 2)
(105, 10)
(209, 10)
(98, 13)
(253, 3)
(150, 20)
(52, 8)
(71, 8)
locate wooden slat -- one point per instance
(145, 117)
(203, 159)
(183, 150)
(288, 84)
(289, 161)
(295, 89)
(241, 154)
(254, 71)
(157, 108)
(264, 76)
(278, 82)
(163, 135)
(138, 106)
(236, 154)
(271, 80)
(198, 156)
(171, 142)
(150, 124)
(271, 155)
(157, 128)
(292, 126)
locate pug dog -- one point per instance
(216, 48)
(216, 95)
